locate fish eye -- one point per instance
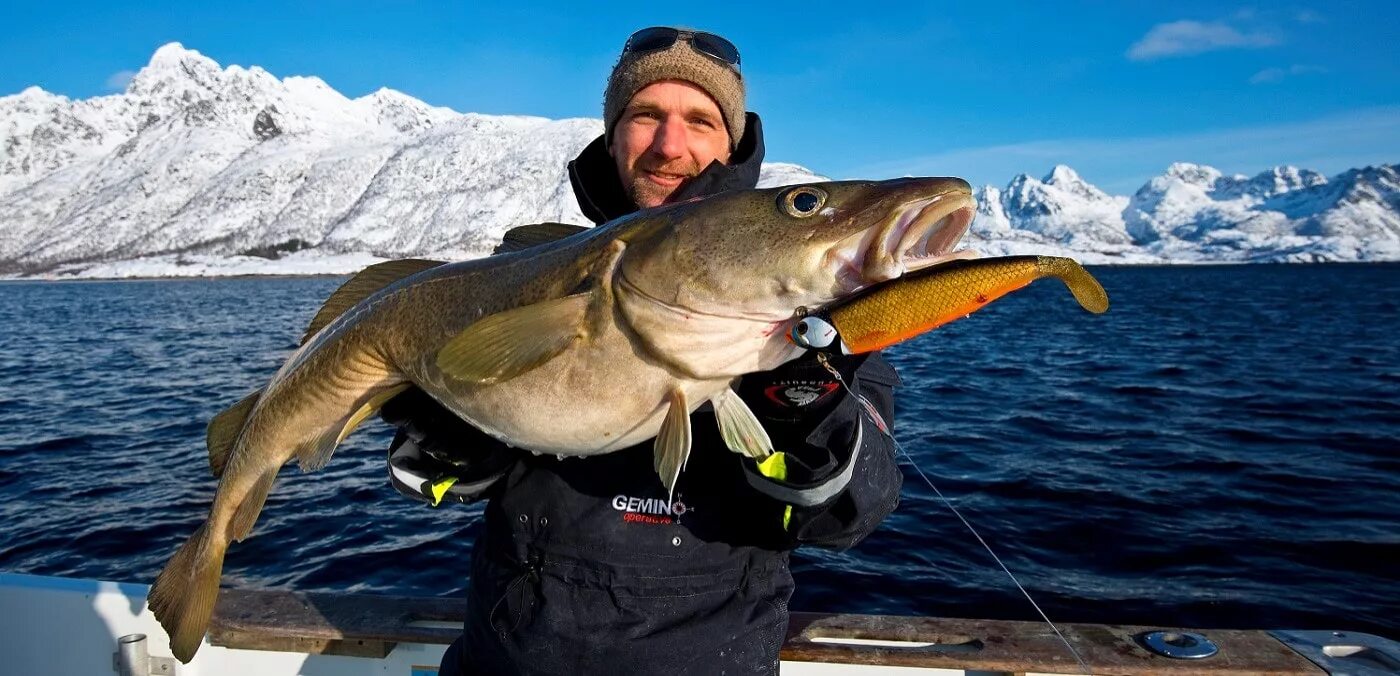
(802, 201)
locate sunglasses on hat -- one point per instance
(658, 38)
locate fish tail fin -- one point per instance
(1085, 288)
(182, 598)
(223, 431)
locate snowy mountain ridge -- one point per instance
(1195, 213)
(202, 169)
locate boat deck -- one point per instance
(66, 626)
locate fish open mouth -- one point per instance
(919, 234)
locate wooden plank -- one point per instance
(370, 626)
(999, 645)
(331, 624)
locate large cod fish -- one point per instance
(576, 347)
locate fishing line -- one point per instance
(879, 422)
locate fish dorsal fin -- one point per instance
(672, 445)
(504, 345)
(739, 427)
(362, 286)
(223, 431)
(525, 236)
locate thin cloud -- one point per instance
(1183, 38)
(1278, 74)
(1121, 165)
(117, 81)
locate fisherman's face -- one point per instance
(670, 131)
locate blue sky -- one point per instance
(1117, 90)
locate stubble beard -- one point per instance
(645, 193)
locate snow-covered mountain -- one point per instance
(195, 162)
(198, 169)
(1194, 213)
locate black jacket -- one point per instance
(582, 568)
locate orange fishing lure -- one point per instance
(915, 304)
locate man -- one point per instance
(582, 566)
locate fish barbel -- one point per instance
(585, 345)
(914, 304)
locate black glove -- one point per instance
(433, 444)
(794, 400)
(436, 431)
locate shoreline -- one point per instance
(171, 278)
(325, 275)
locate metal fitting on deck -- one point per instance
(1178, 645)
(131, 659)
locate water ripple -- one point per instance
(1220, 449)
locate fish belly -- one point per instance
(596, 397)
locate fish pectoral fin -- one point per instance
(362, 286)
(223, 431)
(739, 427)
(525, 236)
(314, 453)
(672, 443)
(504, 345)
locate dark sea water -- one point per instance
(1222, 449)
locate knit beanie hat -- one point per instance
(680, 61)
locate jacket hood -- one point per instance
(602, 198)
